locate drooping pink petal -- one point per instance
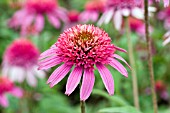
(94, 16)
(17, 92)
(31, 80)
(120, 58)
(47, 53)
(166, 3)
(87, 84)
(39, 22)
(120, 49)
(117, 20)
(54, 20)
(84, 16)
(27, 22)
(3, 101)
(106, 77)
(59, 74)
(62, 14)
(118, 66)
(73, 80)
(49, 62)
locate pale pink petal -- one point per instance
(41, 62)
(16, 20)
(117, 20)
(27, 22)
(59, 74)
(106, 77)
(31, 79)
(87, 84)
(120, 58)
(73, 80)
(39, 22)
(118, 66)
(3, 101)
(62, 14)
(17, 92)
(84, 17)
(54, 20)
(94, 16)
(120, 49)
(166, 3)
(166, 41)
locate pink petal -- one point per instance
(120, 49)
(87, 84)
(84, 16)
(17, 92)
(106, 77)
(120, 58)
(117, 20)
(94, 16)
(31, 79)
(59, 74)
(166, 3)
(47, 53)
(118, 66)
(39, 22)
(3, 101)
(62, 14)
(73, 80)
(54, 20)
(49, 63)
(27, 22)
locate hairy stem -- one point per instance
(82, 105)
(150, 63)
(132, 63)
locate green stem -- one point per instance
(82, 105)
(150, 63)
(132, 63)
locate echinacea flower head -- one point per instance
(33, 15)
(82, 47)
(7, 86)
(41, 6)
(92, 10)
(137, 25)
(20, 61)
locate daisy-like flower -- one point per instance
(117, 9)
(83, 47)
(73, 17)
(8, 87)
(92, 10)
(137, 25)
(33, 15)
(20, 62)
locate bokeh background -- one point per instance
(43, 99)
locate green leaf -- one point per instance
(126, 109)
(113, 99)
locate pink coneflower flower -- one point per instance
(83, 47)
(7, 87)
(33, 15)
(161, 89)
(20, 62)
(137, 25)
(73, 17)
(117, 9)
(92, 10)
